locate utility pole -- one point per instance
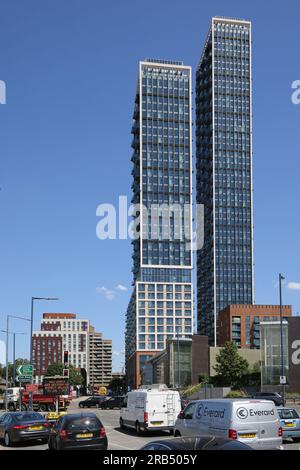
(281, 339)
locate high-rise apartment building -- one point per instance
(224, 171)
(161, 305)
(100, 359)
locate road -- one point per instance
(117, 438)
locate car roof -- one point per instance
(80, 415)
(230, 400)
(193, 443)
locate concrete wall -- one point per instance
(251, 355)
(216, 392)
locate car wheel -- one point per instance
(296, 439)
(80, 405)
(177, 434)
(7, 440)
(122, 424)
(138, 428)
(171, 431)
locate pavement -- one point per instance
(118, 439)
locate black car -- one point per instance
(112, 403)
(273, 396)
(94, 401)
(78, 431)
(23, 426)
(196, 443)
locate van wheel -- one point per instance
(138, 428)
(24, 407)
(122, 424)
(177, 434)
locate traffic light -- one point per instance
(66, 357)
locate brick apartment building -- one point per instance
(241, 323)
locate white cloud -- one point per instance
(294, 285)
(121, 287)
(108, 293)
(116, 353)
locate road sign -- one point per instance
(282, 380)
(24, 378)
(25, 369)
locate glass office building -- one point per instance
(162, 301)
(270, 333)
(224, 171)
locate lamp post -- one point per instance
(6, 355)
(31, 319)
(281, 338)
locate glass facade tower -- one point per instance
(224, 171)
(161, 305)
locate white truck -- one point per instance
(13, 395)
(152, 408)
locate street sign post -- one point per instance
(282, 380)
(24, 378)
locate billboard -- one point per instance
(56, 386)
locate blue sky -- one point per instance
(70, 69)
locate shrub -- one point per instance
(235, 394)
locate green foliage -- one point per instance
(75, 377)
(235, 394)
(190, 390)
(230, 366)
(117, 384)
(204, 379)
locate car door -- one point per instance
(187, 426)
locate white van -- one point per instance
(254, 422)
(151, 408)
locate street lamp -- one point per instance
(14, 350)
(281, 339)
(7, 332)
(31, 319)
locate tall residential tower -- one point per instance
(224, 171)
(161, 304)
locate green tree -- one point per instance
(117, 384)
(230, 366)
(75, 377)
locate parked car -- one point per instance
(90, 402)
(23, 426)
(196, 443)
(290, 423)
(150, 409)
(112, 403)
(78, 431)
(253, 422)
(273, 396)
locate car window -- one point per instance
(288, 414)
(89, 423)
(6, 419)
(189, 411)
(27, 417)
